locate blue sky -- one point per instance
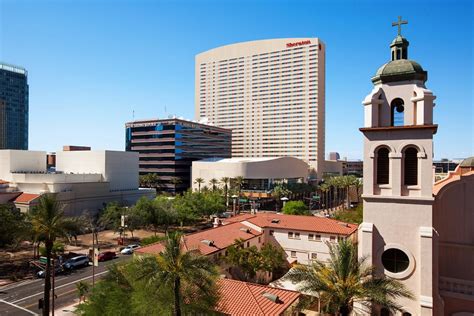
(91, 63)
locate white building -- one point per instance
(271, 93)
(258, 173)
(83, 180)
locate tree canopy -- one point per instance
(296, 208)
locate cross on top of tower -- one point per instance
(399, 23)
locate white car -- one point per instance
(129, 249)
(76, 262)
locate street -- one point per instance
(26, 294)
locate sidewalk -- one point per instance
(67, 310)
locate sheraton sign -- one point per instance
(308, 42)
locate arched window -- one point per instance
(382, 168)
(410, 162)
(398, 111)
(384, 312)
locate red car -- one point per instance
(107, 255)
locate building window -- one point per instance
(297, 235)
(410, 162)
(382, 168)
(395, 260)
(384, 312)
(248, 244)
(332, 239)
(318, 237)
(310, 236)
(290, 234)
(398, 111)
(293, 254)
(259, 239)
(271, 232)
(314, 256)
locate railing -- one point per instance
(457, 287)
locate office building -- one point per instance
(82, 181)
(168, 147)
(13, 107)
(270, 93)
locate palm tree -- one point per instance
(175, 181)
(325, 189)
(239, 181)
(347, 182)
(225, 181)
(48, 224)
(185, 272)
(213, 182)
(278, 192)
(345, 280)
(199, 181)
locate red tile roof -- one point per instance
(222, 237)
(26, 198)
(297, 222)
(239, 298)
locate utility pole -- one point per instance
(93, 258)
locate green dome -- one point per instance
(468, 163)
(400, 70)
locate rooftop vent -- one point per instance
(343, 224)
(210, 243)
(247, 230)
(272, 297)
(275, 221)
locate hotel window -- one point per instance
(318, 238)
(310, 236)
(297, 235)
(293, 254)
(332, 239)
(259, 239)
(248, 244)
(314, 256)
(290, 234)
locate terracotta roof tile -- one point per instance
(222, 237)
(26, 198)
(239, 298)
(297, 222)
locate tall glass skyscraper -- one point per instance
(13, 107)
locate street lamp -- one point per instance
(284, 199)
(234, 200)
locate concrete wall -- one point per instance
(21, 161)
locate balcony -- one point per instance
(458, 288)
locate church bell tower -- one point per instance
(397, 232)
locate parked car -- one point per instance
(76, 262)
(107, 255)
(42, 273)
(129, 249)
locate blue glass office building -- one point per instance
(13, 107)
(168, 147)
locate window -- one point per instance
(397, 111)
(310, 236)
(395, 260)
(259, 239)
(384, 312)
(293, 254)
(410, 163)
(318, 237)
(332, 238)
(290, 234)
(271, 232)
(297, 235)
(314, 256)
(248, 244)
(382, 168)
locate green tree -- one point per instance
(188, 274)
(150, 180)
(345, 280)
(175, 181)
(82, 290)
(48, 223)
(156, 213)
(213, 182)
(13, 226)
(296, 208)
(279, 191)
(199, 181)
(354, 216)
(112, 216)
(225, 181)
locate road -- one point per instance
(25, 294)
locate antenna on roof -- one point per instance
(133, 115)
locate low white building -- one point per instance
(259, 173)
(82, 180)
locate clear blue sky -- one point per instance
(91, 63)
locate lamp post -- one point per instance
(284, 199)
(234, 200)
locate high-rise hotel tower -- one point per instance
(270, 93)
